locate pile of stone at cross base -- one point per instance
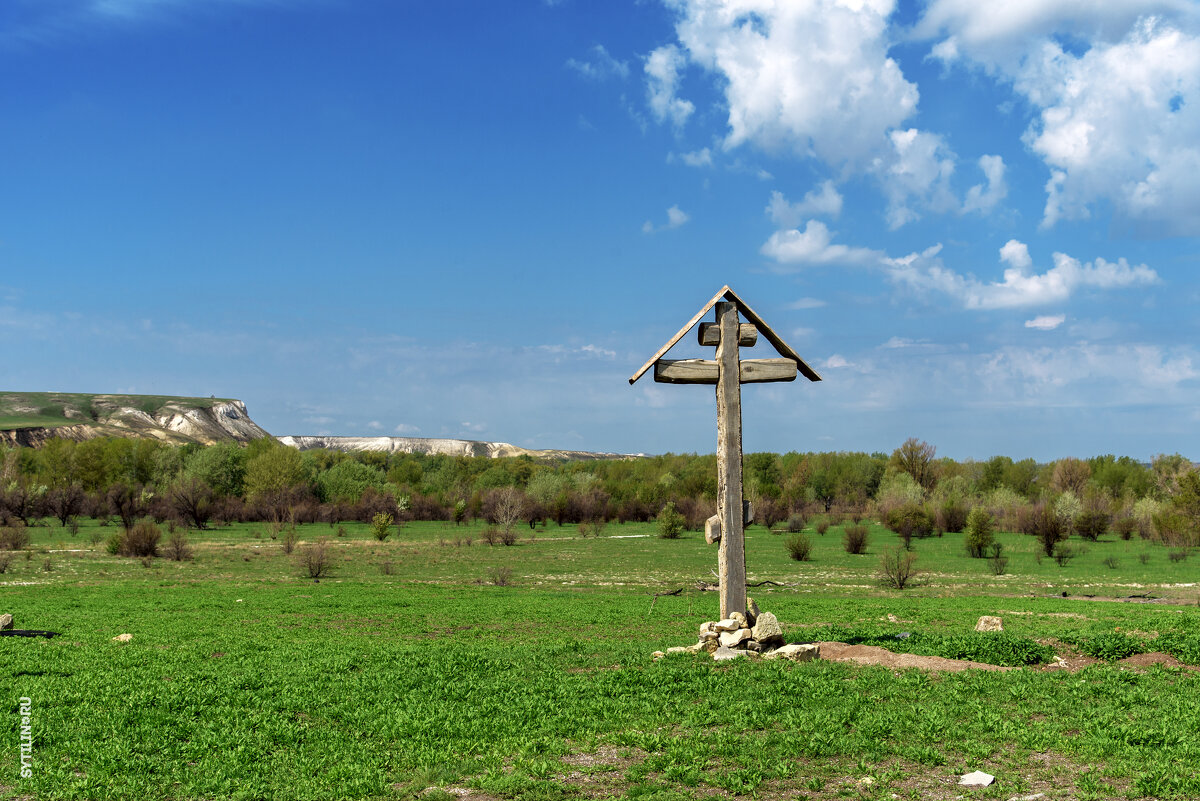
(754, 635)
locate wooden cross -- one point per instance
(728, 371)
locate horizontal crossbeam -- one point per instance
(705, 371)
(710, 334)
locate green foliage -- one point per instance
(1091, 524)
(670, 522)
(910, 520)
(992, 648)
(276, 469)
(140, 539)
(1111, 646)
(221, 466)
(347, 480)
(980, 532)
(381, 526)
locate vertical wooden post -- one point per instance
(732, 554)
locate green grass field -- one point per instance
(407, 673)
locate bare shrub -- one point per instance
(822, 525)
(796, 523)
(14, 537)
(1144, 557)
(508, 536)
(896, 568)
(1125, 526)
(315, 559)
(1177, 555)
(141, 539)
(799, 547)
(288, 539)
(1063, 553)
(854, 539)
(177, 548)
(387, 567)
(500, 576)
(1048, 527)
(998, 563)
(491, 535)
(5, 562)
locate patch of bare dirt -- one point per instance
(1141, 661)
(874, 655)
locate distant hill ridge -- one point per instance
(31, 418)
(451, 447)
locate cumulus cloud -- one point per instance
(1046, 322)
(824, 201)
(814, 245)
(813, 77)
(806, 303)
(925, 273)
(697, 158)
(915, 175)
(662, 81)
(983, 198)
(676, 218)
(405, 429)
(599, 65)
(1116, 111)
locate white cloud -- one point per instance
(984, 197)
(405, 428)
(814, 245)
(662, 81)
(599, 352)
(915, 175)
(676, 218)
(1116, 112)
(924, 271)
(375, 424)
(811, 77)
(1046, 322)
(835, 362)
(896, 343)
(697, 158)
(806, 303)
(823, 201)
(599, 65)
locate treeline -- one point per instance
(226, 482)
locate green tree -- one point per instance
(980, 532)
(276, 469)
(915, 457)
(221, 466)
(347, 481)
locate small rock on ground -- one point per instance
(989, 623)
(123, 638)
(6, 622)
(977, 779)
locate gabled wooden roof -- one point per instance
(728, 294)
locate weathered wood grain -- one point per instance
(732, 553)
(709, 334)
(705, 371)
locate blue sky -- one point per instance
(979, 222)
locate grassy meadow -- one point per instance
(433, 665)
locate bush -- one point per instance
(952, 516)
(822, 526)
(998, 563)
(1177, 555)
(491, 535)
(288, 540)
(910, 520)
(177, 547)
(1111, 646)
(508, 536)
(1125, 526)
(5, 562)
(381, 525)
(140, 540)
(1092, 524)
(500, 576)
(14, 538)
(796, 523)
(315, 560)
(1045, 524)
(980, 532)
(1063, 553)
(798, 547)
(1144, 557)
(1111, 562)
(670, 522)
(854, 539)
(896, 568)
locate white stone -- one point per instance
(977, 779)
(752, 611)
(989, 623)
(657, 655)
(723, 654)
(707, 628)
(123, 638)
(6, 621)
(767, 629)
(743, 623)
(728, 624)
(708, 635)
(732, 638)
(679, 649)
(797, 652)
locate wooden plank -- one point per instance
(776, 340)
(671, 342)
(731, 555)
(705, 371)
(712, 529)
(709, 334)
